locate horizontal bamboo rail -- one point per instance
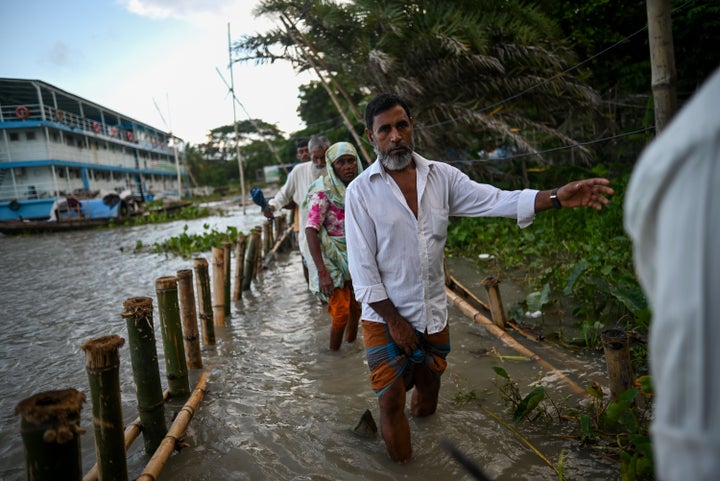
(175, 433)
(508, 340)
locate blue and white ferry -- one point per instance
(63, 157)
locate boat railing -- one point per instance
(27, 191)
(155, 141)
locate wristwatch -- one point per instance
(554, 199)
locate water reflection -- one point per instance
(280, 404)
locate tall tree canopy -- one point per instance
(499, 74)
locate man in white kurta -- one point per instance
(296, 187)
(672, 213)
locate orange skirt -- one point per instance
(342, 306)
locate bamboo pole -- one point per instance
(258, 252)
(267, 240)
(278, 245)
(239, 266)
(102, 362)
(138, 316)
(462, 291)
(496, 308)
(509, 341)
(617, 356)
(171, 329)
(188, 315)
(218, 285)
(287, 240)
(175, 433)
(202, 279)
(227, 249)
(277, 227)
(50, 431)
(249, 262)
(132, 431)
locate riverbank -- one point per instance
(280, 404)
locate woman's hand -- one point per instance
(325, 283)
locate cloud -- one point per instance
(201, 13)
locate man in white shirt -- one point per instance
(672, 214)
(396, 226)
(296, 186)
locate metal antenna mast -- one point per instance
(237, 138)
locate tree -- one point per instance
(473, 76)
(215, 161)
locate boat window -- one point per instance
(14, 136)
(30, 135)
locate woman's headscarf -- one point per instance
(333, 187)
(333, 248)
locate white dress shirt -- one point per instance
(672, 214)
(295, 189)
(392, 255)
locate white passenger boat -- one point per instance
(63, 157)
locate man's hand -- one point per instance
(592, 193)
(404, 336)
(401, 331)
(268, 212)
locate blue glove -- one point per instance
(258, 197)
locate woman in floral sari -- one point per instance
(324, 242)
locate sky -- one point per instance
(129, 55)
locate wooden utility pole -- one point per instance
(313, 63)
(237, 136)
(662, 60)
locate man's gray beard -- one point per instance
(395, 162)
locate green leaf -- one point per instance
(536, 300)
(529, 403)
(578, 270)
(585, 426)
(501, 372)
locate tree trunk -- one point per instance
(662, 59)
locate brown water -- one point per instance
(280, 405)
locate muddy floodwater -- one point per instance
(280, 405)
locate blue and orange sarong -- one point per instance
(388, 363)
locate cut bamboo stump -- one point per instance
(132, 431)
(50, 431)
(617, 356)
(202, 280)
(250, 260)
(495, 301)
(267, 237)
(138, 316)
(102, 362)
(239, 266)
(227, 250)
(171, 330)
(175, 433)
(258, 252)
(188, 316)
(277, 227)
(218, 286)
